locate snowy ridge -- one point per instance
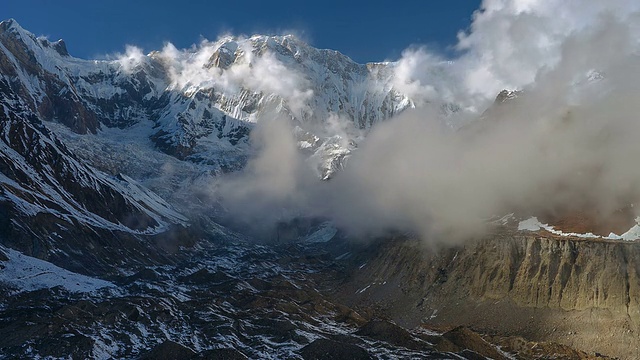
(533, 224)
(219, 90)
(41, 176)
(147, 200)
(45, 189)
(26, 273)
(205, 100)
(73, 91)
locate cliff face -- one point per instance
(552, 273)
(581, 293)
(55, 207)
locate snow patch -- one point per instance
(632, 234)
(533, 224)
(326, 232)
(26, 273)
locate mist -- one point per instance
(568, 142)
(195, 68)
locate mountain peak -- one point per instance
(59, 46)
(12, 27)
(9, 24)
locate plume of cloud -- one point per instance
(508, 44)
(192, 69)
(272, 185)
(411, 75)
(426, 77)
(131, 59)
(567, 143)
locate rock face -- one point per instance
(53, 205)
(580, 292)
(227, 301)
(80, 94)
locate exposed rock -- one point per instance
(507, 95)
(524, 349)
(469, 340)
(571, 291)
(392, 333)
(169, 350)
(220, 354)
(324, 349)
(52, 201)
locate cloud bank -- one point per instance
(569, 142)
(509, 43)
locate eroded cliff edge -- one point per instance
(582, 293)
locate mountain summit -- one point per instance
(203, 101)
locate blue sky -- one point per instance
(363, 30)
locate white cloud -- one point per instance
(192, 69)
(132, 58)
(507, 46)
(412, 75)
(567, 144)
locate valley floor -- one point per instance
(238, 300)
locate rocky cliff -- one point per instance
(583, 293)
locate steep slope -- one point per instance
(57, 207)
(233, 301)
(54, 206)
(81, 94)
(330, 99)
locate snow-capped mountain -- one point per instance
(204, 101)
(56, 206)
(101, 258)
(198, 106)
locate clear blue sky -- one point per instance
(364, 30)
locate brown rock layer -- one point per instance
(584, 294)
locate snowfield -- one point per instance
(25, 273)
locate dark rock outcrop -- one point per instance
(325, 349)
(169, 350)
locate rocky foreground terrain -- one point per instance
(234, 300)
(538, 286)
(107, 251)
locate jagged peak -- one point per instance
(10, 24)
(12, 27)
(287, 43)
(507, 95)
(59, 46)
